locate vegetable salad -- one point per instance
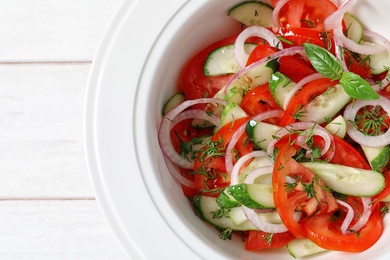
(280, 133)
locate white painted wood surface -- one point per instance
(47, 204)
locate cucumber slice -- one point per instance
(257, 162)
(221, 61)
(254, 77)
(378, 157)
(225, 200)
(378, 62)
(234, 95)
(254, 196)
(326, 105)
(173, 102)
(354, 29)
(337, 126)
(206, 206)
(238, 216)
(214, 109)
(348, 180)
(260, 133)
(232, 112)
(280, 85)
(303, 247)
(252, 13)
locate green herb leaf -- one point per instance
(357, 87)
(323, 61)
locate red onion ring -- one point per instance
(348, 218)
(177, 176)
(299, 85)
(198, 114)
(302, 126)
(354, 46)
(265, 226)
(334, 20)
(166, 126)
(261, 224)
(366, 140)
(367, 205)
(254, 174)
(254, 80)
(240, 162)
(275, 14)
(259, 31)
(240, 131)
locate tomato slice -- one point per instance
(296, 36)
(359, 67)
(302, 98)
(306, 13)
(194, 83)
(325, 232)
(259, 100)
(295, 67)
(259, 52)
(286, 201)
(256, 240)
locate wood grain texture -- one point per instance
(41, 131)
(56, 30)
(55, 230)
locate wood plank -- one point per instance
(56, 230)
(41, 131)
(59, 30)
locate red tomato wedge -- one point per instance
(257, 240)
(287, 201)
(326, 233)
(259, 100)
(306, 13)
(302, 98)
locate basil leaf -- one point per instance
(323, 61)
(356, 87)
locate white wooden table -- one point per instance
(47, 204)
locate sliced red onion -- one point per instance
(166, 126)
(176, 174)
(240, 131)
(340, 53)
(275, 14)
(299, 85)
(265, 226)
(354, 46)
(261, 224)
(348, 218)
(258, 31)
(253, 80)
(254, 174)
(302, 126)
(240, 162)
(367, 210)
(334, 20)
(198, 114)
(362, 139)
(386, 43)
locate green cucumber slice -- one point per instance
(252, 13)
(254, 196)
(260, 133)
(303, 247)
(354, 29)
(221, 61)
(326, 105)
(378, 62)
(234, 95)
(337, 126)
(206, 206)
(280, 85)
(378, 157)
(348, 180)
(173, 102)
(232, 112)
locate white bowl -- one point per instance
(133, 73)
